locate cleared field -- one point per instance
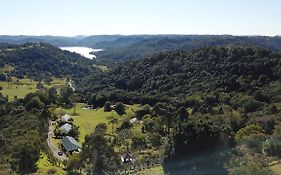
(276, 169)
(58, 83)
(24, 86)
(7, 68)
(153, 171)
(44, 166)
(18, 88)
(87, 120)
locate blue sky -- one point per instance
(91, 17)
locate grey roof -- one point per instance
(70, 144)
(66, 127)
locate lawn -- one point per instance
(87, 120)
(44, 166)
(276, 169)
(58, 83)
(158, 170)
(7, 69)
(24, 86)
(19, 89)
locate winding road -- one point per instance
(52, 146)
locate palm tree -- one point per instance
(112, 120)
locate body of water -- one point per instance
(84, 51)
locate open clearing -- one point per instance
(21, 87)
(87, 120)
(276, 169)
(44, 166)
(158, 170)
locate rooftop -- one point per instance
(66, 127)
(65, 118)
(70, 144)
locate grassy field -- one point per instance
(58, 83)
(158, 170)
(7, 69)
(102, 68)
(87, 120)
(24, 86)
(276, 169)
(19, 89)
(44, 166)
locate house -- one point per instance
(70, 144)
(66, 127)
(65, 118)
(113, 107)
(133, 120)
(127, 158)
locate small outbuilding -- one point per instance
(66, 127)
(133, 120)
(70, 144)
(127, 158)
(65, 118)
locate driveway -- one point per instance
(52, 146)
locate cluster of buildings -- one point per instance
(68, 143)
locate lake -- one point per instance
(84, 51)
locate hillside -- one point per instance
(132, 47)
(178, 75)
(120, 47)
(41, 60)
(222, 104)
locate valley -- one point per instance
(171, 113)
(140, 87)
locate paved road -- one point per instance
(53, 147)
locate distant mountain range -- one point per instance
(120, 47)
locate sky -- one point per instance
(127, 17)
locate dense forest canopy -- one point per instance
(179, 75)
(42, 60)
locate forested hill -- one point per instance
(41, 60)
(134, 47)
(120, 47)
(179, 75)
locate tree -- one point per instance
(113, 121)
(40, 85)
(142, 112)
(252, 136)
(139, 142)
(166, 112)
(66, 93)
(154, 140)
(126, 124)
(101, 128)
(120, 109)
(25, 158)
(98, 100)
(74, 163)
(98, 155)
(273, 147)
(53, 96)
(34, 103)
(107, 107)
(74, 132)
(247, 132)
(182, 114)
(3, 77)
